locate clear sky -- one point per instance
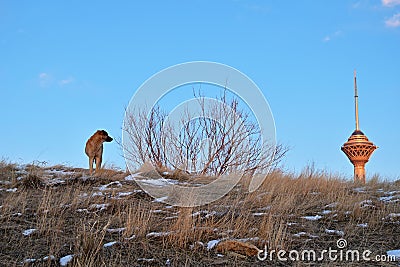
(68, 68)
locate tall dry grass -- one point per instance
(81, 215)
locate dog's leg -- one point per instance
(98, 163)
(91, 159)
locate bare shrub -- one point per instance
(32, 181)
(223, 139)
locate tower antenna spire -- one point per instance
(356, 100)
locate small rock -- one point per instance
(241, 248)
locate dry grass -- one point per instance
(74, 214)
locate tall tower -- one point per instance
(358, 148)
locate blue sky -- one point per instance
(68, 68)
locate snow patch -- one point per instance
(160, 199)
(300, 234)
(12, 190)
(158, 182)
(360, 190)
(332, 205)
(156, 211)
(335, 232)
(131, 237)
(82, 210)
(171, 217)
(66, 259)
(325, 212)
(211, 244)
(158, 234)
(105, 187)
(312, 218)
(99, 207)
(97, 194)
(124, 194)
(207, 213)
(392, 192)
(390, 198)
(392, 217)
(51, 257)
(83, 195)
(60, 172)
(132, 177)
(56, 181)
(116, 230)
(109, 244)
(366, 203)
(145, 259)
(29, 231)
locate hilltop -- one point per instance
(59, 215)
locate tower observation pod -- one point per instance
(358, 148)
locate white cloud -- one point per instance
(67, 81)
(43, 75)
(45, 79)
(326, 39)
(332, 36)
(394, 21)
(390, 3)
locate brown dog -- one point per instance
(94, 148)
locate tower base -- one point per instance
(359, 173)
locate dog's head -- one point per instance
(104, 136)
